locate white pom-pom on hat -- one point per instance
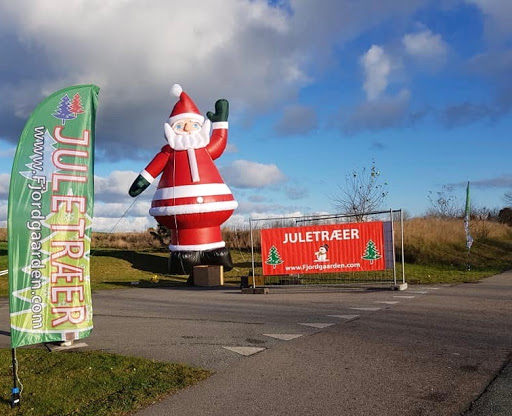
(184, 108)
(176, 90)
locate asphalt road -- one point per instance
(439, 350)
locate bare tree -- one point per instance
(162, 234)
(508, 198)
(505, 216)
(444, 204)
(362, 193)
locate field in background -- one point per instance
(435, 251)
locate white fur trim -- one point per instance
(190, 191)
(220, 125)
(192, 161)
(197, 247)
(146, 175)
(176, 90)
(193, 116)
(168, 131)
(193, 208)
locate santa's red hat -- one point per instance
(184, 108)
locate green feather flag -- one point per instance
(50, 212)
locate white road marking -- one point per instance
(404, 297)
(366, 309)
(246, 351)
(317, 324)
(284, 337)
(347, 317)
(387, 302)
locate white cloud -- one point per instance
(261, 217)
(291, 214)
(425, 45)
(117, 210)
(5, 180)
(3, 214)
(257, 198)
(135, 52)
(377, 67)
(498, 14)
(257, 55)
(8, 153)
(247, 174)
(297, 119)
(231, 148)
(251, 208)
(296, 192)
(115, 186)
(237, 222)
(105, 224)
(386, 112)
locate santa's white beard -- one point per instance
(194, 140)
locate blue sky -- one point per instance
(317, 89)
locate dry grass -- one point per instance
(133, 241)
(451, 231)
(434, 251)
(435, 241)
(241, 239)
(427, 241)
(417, 232)
(126, 241)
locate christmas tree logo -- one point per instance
(371, 252)
(76, 105)
(274, 258)
(64, 110)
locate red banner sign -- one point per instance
(323, 249)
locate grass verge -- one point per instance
(90, 383)
(114, 268)
(424, 274)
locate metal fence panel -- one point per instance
(393, 236)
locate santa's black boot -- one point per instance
(183, 262)
(217, 257)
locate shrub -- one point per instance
(505, 216)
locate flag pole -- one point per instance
(468, 265)
(15, 391)
(469, 239)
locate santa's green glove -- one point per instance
(138, 186)
(221, 111)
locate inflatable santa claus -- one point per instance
(191, 199)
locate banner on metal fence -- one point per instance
(50, 211)
(323, 249)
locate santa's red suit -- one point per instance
(191, 199)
